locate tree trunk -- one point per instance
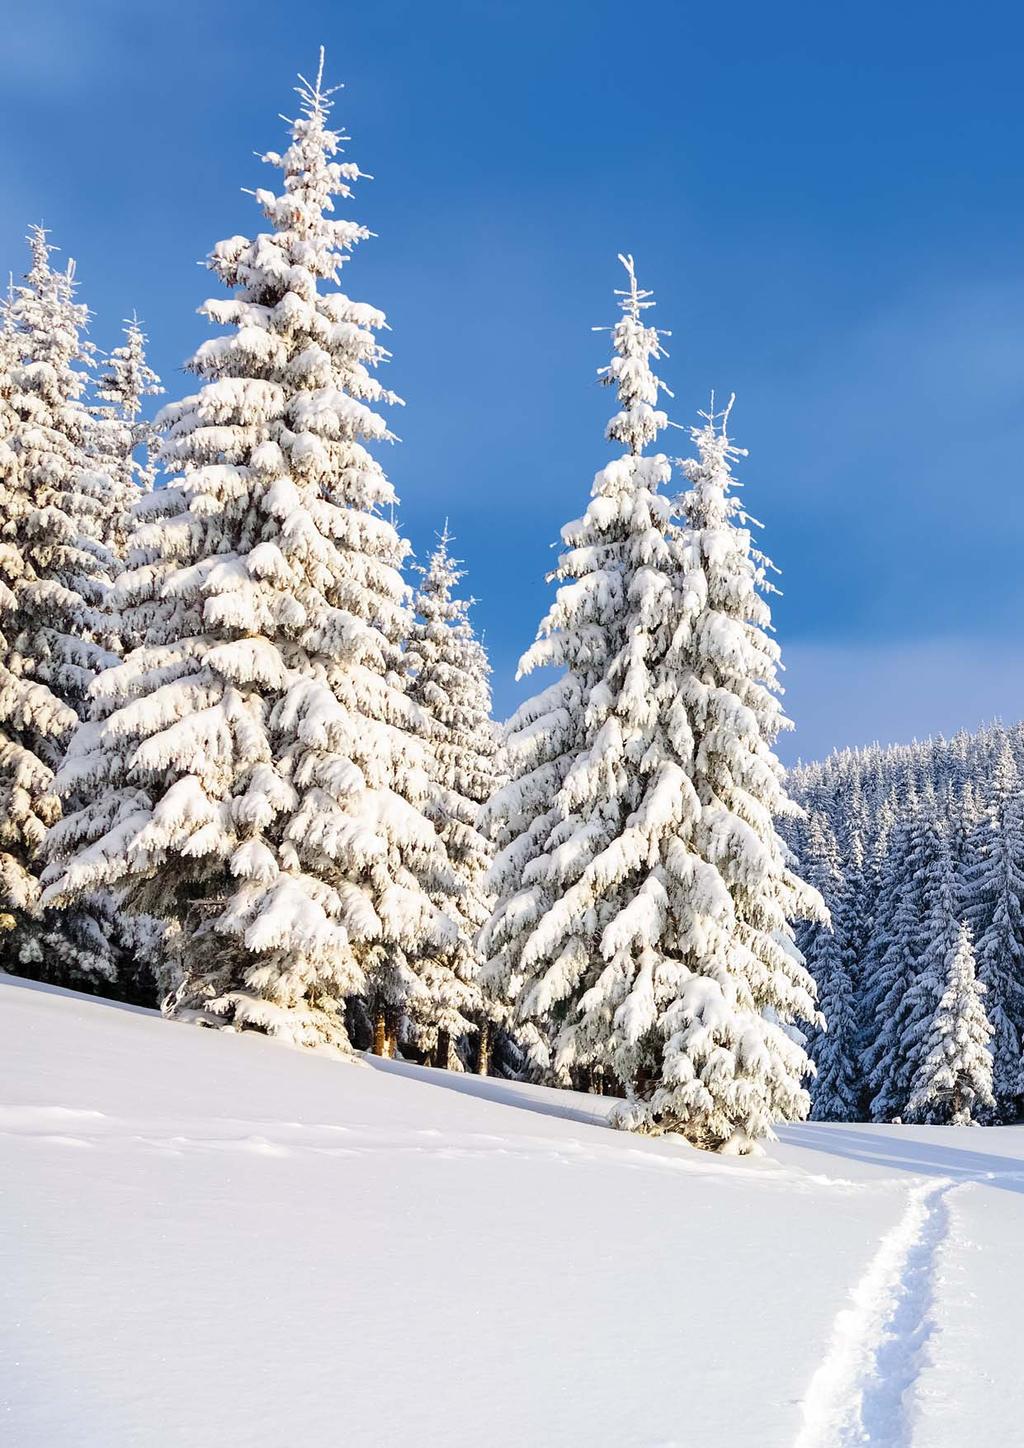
(380, 1034)
(442, 1051)
(483, 1049)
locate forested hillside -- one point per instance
(919, 853)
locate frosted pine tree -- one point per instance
(988, 793)
(728, 998)
(995, 906)
(834, 1048)
(855, 901)
(123, 445)
(9, 352)
(129, 440)
(20, 837)
(54, 576)
(560, 814)
(923, 928)
(260, 784)
(888, 960)
(451, 686)
(953, 1084)
(654, 927)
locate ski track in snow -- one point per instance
(863, 1391)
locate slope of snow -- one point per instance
(209, 1239)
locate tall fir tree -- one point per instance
(953, 1083)
(937, 936)
(124, 384)
(54, 578)
(731, 1063)
(995, 908)
(451, 686)
(826, 949)
(655, 925)
(561, 866)
(852, 917)
(128, 947)
(914, 930)
(259, 777)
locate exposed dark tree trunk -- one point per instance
(442, 1051)
(391, 1020)
(483, 1049)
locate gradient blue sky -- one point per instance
(826, 201)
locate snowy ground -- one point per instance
(209, 1239)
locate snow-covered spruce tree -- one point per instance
(124, 445)
(123, 385)
(953, 1083)
(451, 685)
(654, 926)
(1000, 779)
(888, 964)
(855, 897)
(923, 931)
(19, 838)
(995, 905)
(8, 351)
(54, 576)
(833, 1047)
(730, 993)
(259, 777)
(552, 876)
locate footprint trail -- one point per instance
(862, 1392)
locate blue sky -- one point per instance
(826, 201)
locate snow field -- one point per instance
(211, 1239)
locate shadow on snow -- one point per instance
(897, 1148)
